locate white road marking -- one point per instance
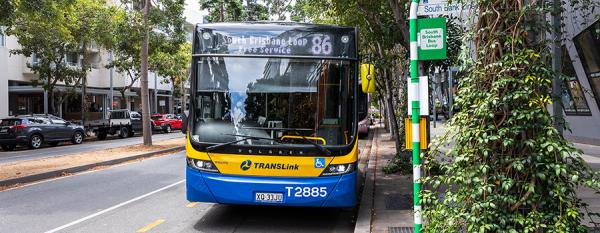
(113, 207)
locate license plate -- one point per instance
(3, 130)
(268, 197)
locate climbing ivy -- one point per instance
(508, 169)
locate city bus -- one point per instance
(273, 115)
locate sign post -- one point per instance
(415, 105)
(442, 7)
(431, 37)
(427, 42)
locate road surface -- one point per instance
(22, 154)
(148, 196)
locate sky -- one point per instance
(192, 12)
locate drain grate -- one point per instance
(399, 202)
(400, 230)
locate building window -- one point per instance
(588, 48)
(573, 98)
(72, 59)
(34, 59)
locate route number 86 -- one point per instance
(306, 191)
(321, 45)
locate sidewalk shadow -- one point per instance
(238, 218)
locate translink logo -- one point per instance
(247, 164)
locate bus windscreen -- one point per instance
(272, 97)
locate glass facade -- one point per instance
(25, 103)
(588, 48)
(573, 98)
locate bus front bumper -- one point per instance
(333, 191)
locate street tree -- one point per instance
(139, 34)
(223, 10)
(279, 8)
(7, 9)
(50, 31)
(508, 169)
(174, 68)
(254, 11)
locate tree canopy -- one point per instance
(50, 31)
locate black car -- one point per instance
(35, 130)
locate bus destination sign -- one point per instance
(295, 42)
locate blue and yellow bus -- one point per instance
(273, 115)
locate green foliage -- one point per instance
(509, 170)
(166, 36)
(7, 9)
(279, 8)
(49, 30)
(173, 67)
(256, 12)
(399, 164)
(222, 10)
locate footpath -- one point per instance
(387, 199)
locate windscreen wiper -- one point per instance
(244, 137)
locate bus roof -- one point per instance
(275, 39)
(270, 25)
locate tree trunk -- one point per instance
(391, 113)
(123, 101)
(83, 100)
(51, 106)
(172, 99)
(146, 130)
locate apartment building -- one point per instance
(581, 63)
(19, 96)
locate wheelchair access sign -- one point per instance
(431, 33)
(319, 162)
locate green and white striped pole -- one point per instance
(416, 112)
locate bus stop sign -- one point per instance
(432, 38)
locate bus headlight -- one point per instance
(202, 165)
(338, 169)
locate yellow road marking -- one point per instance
(192, 204)
(150, 226)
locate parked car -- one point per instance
(166, 122)
(35, 130)
(124, 123)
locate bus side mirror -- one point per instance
(367, 76)
(184, 124)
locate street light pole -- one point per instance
(416, 112)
